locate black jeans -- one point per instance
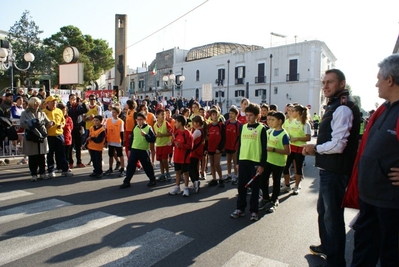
(376, 237)
(144, 157)
(193, 169)
(56, 148)
(246, 171)
(96, 158)
(36, 161)
(77, 144)
(276, 172)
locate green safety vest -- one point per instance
(277, 143)
(139, 141)
(161, 141)
(251, 144)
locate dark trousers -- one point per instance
(376, 237)
(96, 158)
(245, 172)
(193, 169)
(331, 216)
(144, 157)
(68, 149)
(276, 172)
(77, 144)
(37, 161)
(56, 148)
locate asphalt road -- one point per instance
(80, 221)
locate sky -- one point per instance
(358, 33)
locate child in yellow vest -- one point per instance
(95, 144)
(278, 147)
(163, 132)
(142, 137)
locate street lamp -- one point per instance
(7, 60)
(171, 80)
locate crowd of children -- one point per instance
(258, 142)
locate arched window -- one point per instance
(196, 93)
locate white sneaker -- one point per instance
(43, 176)
(186, 192)
(285, 188)
(175, 191)
(33, 178)
(296, 190)
(67, 174)
(52, 175)
(196, 186)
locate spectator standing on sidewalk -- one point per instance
(35, 151)
(76, 110)
(335, 152)
(377, 170)
(56, 139)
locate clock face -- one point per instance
(70, 54)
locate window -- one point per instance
(221, 76)
(197, 76)
(260, 92)
(157, 83)
(275, 90)
(239, 93)
(276, 72)
(293, 74)
(261, 78)
(197, 93)
(141, 84)
(240, 74)
(219, 92)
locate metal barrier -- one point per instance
(12, 148)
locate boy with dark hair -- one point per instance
(233, 129)
(142, 136)
(251, 161)
(278, 147)
(114, 126)
(183, 142)
(95, 144)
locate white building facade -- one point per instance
(278, 75)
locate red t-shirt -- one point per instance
(68, 131)
(182, 152)
(198, 148)
(215, 137)
(232, 135)
(242, 118)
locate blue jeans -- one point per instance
(376, 237)
(331, 216)
(56, 146)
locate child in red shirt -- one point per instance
(183, 142)
(215, 146)
(197, 153)
(233, 130)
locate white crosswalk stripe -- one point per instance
(14, 194)
(22, 246)
(143, 251)
(28, 210)
(244, 259)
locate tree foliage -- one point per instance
(94, 53)
(24, 37)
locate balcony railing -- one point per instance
(260, 79)
(240, 81)
(292, 77)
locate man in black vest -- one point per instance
(335, 152)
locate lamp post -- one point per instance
(228, 77)
(171, 79)
(270, 80)
(181, 78)
(7, 60)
